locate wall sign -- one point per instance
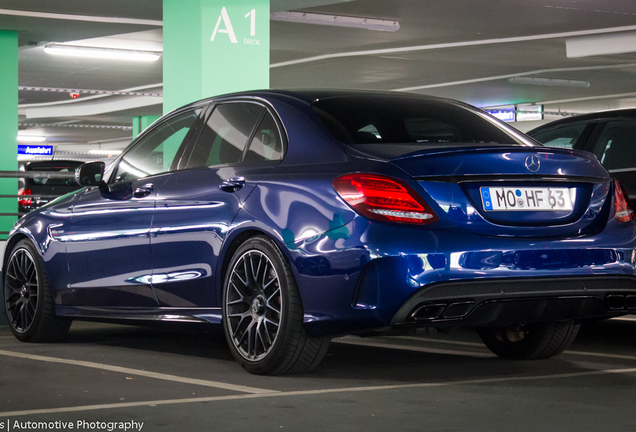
(40, 150)
(506, 115)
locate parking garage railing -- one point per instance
(24, 175)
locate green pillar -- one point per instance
(141, 123)
(211, 47)
(8, 125)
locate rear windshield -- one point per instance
(42, 181)
(427, 123)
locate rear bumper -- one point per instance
(377, 275)
(502, 302)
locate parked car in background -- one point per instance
(46, 189)
(289, 218)
(610, 135)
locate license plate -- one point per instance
(527, 199)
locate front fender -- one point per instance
(46, 229)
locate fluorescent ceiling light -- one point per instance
(30, 138)
(616, 43)
(336, 20)
(105, 152)
(552, 82)
(103, 53)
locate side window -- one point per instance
(562, 137)
(266, 144)
(157, 151)
(225, 134)
(616, 147)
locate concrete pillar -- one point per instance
(8, 126)
(211, 47)
(141, 123)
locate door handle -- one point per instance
(232, 184)
(143, 191)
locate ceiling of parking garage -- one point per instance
(455, 48)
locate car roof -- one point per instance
(600, 115)
(309, 96)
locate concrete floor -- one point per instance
(188, 381)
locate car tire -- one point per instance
(263, 314)
(28, 301)
(533, 341)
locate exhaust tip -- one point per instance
(616, 301)
(428, 312)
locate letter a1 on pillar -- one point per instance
(227, 26)
(213, 47)
(238, 47)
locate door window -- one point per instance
(562, 137)
(616, 147)
(224, 136)
(160, 150)
(266, 144)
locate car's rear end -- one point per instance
(479, 226)
(38, 191)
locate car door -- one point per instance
(108, 246)
(616, 149)
(195, 207)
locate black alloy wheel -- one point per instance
(262, 313)
(21, 290)
(27, 298)
(254, 305)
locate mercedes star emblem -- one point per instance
(532, 163)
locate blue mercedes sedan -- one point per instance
(289, 218)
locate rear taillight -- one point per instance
(24, 202)
(622, 208)
(384, 198)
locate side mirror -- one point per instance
(90, 174)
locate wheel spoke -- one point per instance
(11, 303)
(237, 315)
(12, 290)
(273, 294)
(251, 341)
(18, 267)
(265, 340)
(235, 302)
(270, 321)
(268, 283)
(240, 341)
(23, 265)
(247, 273)
(264, 275)
(29, 311)
(240, 278)
(259, 337)
(238, 291)
(23, 315)
(258, 269)
(273, 308)
(30, 271)
(254, 275)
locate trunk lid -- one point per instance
(513, 191)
